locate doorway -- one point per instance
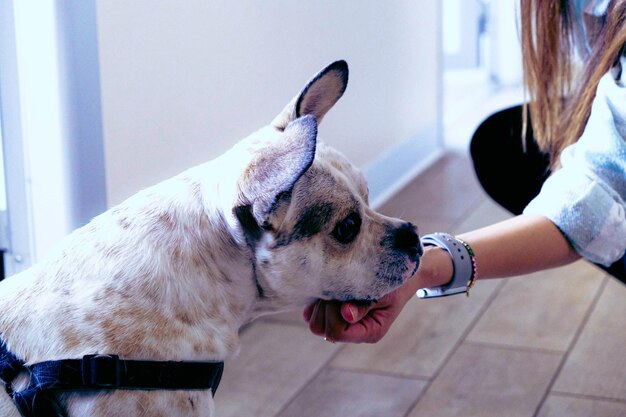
(482, 67)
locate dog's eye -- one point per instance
(346, 230)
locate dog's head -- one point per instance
(303, 208)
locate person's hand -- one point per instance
(368, 323)
(355, 322)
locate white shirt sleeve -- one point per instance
(585, 198)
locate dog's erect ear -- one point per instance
(318, 96)
(276, 167)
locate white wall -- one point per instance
(182, 81)
(505, 64)
(156, 86)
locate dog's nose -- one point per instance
(407, 240)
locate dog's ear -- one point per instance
(318, 96)
(276, 167)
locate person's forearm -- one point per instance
(520, 245)
(517, 246)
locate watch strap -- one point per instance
(463, 261)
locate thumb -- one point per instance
(353, 313)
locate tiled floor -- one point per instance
(546, 345)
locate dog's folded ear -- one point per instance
(276, 167)
(318, 96)
(278, 164)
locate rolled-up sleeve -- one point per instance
(585, 198)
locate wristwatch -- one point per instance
(463, 262)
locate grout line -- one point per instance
(322, 367)
(325, 365)
(458, 344)
(579, 331)
(462, 339)
(380, 373)
(518, 348)
(588, 397)
(472, 208)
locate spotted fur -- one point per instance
(174, 272)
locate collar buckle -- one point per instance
(101, 371)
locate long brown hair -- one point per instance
(560, 95)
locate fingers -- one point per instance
(325, 319)
(308, 312)
(334, 324)
(364, 328)
(355, 322)
(317, 323)
(353, 313)
(345, 322)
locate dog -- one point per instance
(175, 271)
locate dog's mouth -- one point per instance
(364, 302)
(412, 267)
(384, 283)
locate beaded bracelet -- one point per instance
(472, 279)
(463, 261)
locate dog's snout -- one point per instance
(407, 240)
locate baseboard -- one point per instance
(393, 170)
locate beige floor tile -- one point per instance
(426, 226)
(422, 336)
(402, 209)
(484, 214)
(542, 310)
(339, 393)
(489, 382)
(275, 362)
(562, 406)
(597, 363)
(446, 191)
(454, 215)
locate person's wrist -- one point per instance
(437, 268)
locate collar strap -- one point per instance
(101, 372)
(110, 372)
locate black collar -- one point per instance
(99, 372)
